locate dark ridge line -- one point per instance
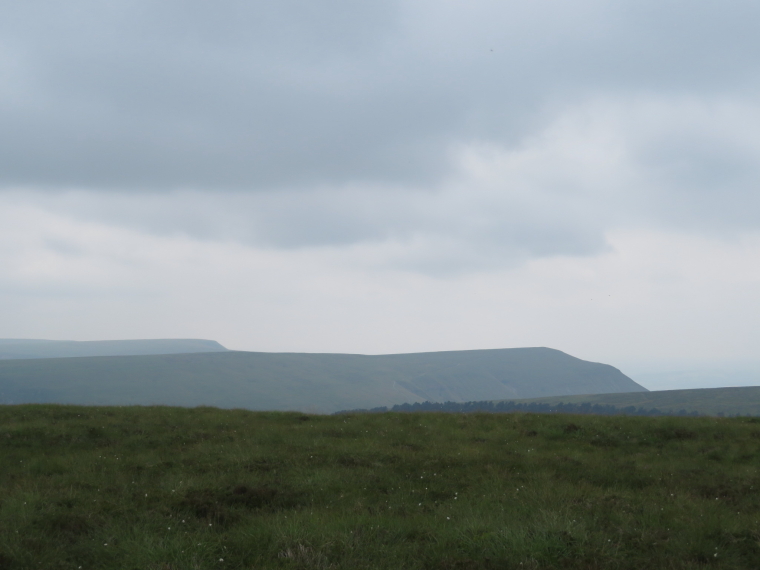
(503, 407)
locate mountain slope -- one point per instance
(12, 348)
(744, 400)
(309, 382)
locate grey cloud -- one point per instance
(708, 185)
(287, 96)
(701, 172)
(600, 166)
(446, 232)
(299, 124)
(258, 95)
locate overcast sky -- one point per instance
(390, 176)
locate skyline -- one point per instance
(386, 177)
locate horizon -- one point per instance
(388, 178)
(653, 377)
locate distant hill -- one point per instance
(710, 401)
(309, 382)
(27, 348)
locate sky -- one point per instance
(380, 177)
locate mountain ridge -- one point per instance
(312, 382)
(24, 349)
(730, 400)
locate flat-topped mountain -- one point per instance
(11, 348)
(308, 382)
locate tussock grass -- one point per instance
(173, 488)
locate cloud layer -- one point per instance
(650, 296)
(638, 162)
(160, 155)
(255, 95)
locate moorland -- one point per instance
(736, 401)
(174, 488)
(315, 383)
(741, 400)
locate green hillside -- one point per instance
(11, 348)
(308, 382)
(710, 401)
(175, 489)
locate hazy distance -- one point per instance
(388, 177)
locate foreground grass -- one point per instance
(172, 488)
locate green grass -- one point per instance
(173, 488)
(743, 400)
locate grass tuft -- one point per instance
(171, 488)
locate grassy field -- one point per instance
(743, 400)
(173, 488)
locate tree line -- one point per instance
(501, 407)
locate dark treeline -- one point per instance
(531, 407)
